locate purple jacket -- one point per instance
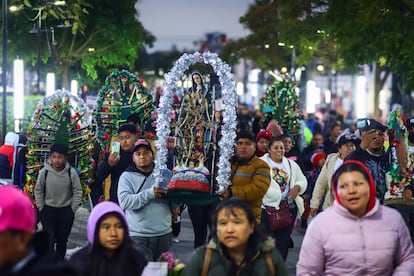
(339, 243)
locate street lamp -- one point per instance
(18, 93)
(4, 66)
(38, 30)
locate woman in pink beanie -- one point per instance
(110, 250)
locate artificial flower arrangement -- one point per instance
(175, 266)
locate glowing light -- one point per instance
(50, 84)
(18, 95)
(74, 87)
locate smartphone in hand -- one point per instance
(116, 147)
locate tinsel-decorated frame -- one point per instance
(228, 130)
(121, 96)
(60, 118)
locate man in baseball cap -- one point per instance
(372, 153)
(22, 251)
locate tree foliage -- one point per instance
(337, 33)
(96, 35)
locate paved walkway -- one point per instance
(181, 250)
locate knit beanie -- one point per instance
(100, 210)
(316, 157)
(264, 134)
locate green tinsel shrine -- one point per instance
(281, 104)
(121, 96)
(63, 119)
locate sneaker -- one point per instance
(175, 240)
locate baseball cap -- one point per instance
(410, 122)
(346, 138)
(374, 124)
(16, 210)
(142, 143)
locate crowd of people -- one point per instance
(340, 180)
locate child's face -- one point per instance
(58, 161)
(321, 162)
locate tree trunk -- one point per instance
(65, 76)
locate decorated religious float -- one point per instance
(63, 119)
(398, 177)
(122, 99)
(280, 106)
(200, 157)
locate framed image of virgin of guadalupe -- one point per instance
(197, 136)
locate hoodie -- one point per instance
(7, 154)
(58, 191)
(146, 215)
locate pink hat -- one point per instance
(16, 210)
(316, 157)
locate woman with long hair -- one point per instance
(109, 251)
(237, 247)
(357, 235)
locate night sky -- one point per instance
(181, 22)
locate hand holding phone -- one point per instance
(116, 147)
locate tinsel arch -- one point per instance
(281, 104)
(228, 130)
(63, 119)
(121, 96)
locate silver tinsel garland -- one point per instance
(228, 130)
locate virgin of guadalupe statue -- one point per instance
(194, 125)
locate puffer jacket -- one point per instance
(250, 182)
(339, 243)
(220, 265)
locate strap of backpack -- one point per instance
(207, 261)
(269, 263)
(44, 186)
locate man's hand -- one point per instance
(175, 212)
(113, 159)
(225, 194)
(407, 196)
(367, 137)
(293, 193)
(159, 192)
(313, 212)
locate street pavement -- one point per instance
(181, 250)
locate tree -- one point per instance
(377, 32)
(298, 24)
(338, 33)
(98, 34)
